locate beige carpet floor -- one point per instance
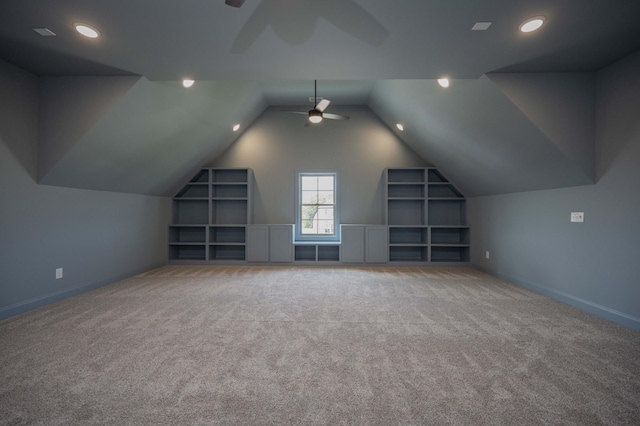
(316, 346)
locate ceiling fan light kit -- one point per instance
(315, 116)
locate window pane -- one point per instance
(309, 197)
(325, 183)
(325, 227)
(311, 230)
(325, 197)
(308, 215)
(309, 183)
(325, 213)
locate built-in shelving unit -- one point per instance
(424, 223)
(210, 215)
(320, 252)
(426, 216)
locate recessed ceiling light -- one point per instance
(86, 30)
(236, 127)
(400, 126)
(532, 24)
(481, 26)
(443, 82)
(187, 82)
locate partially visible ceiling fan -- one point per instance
(316, 114)
(234, 3)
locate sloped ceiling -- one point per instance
(474, 134)
(154, 136)
(518, 115)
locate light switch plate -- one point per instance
(58, 273)
(577, 216)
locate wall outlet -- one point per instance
(486, 254)
(58, 273)
(577, 216)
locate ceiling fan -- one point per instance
(317, 114)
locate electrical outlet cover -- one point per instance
(577, 216)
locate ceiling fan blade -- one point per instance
(234, 3)
(323, 104)
(295, 112)
(334, 116)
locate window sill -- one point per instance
(316, 242)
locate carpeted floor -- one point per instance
(316, 346)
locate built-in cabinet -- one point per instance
(426, 216)
(281, 243)
(424, 223)
(376, 244)
(352, 243)
(270, 243)
(364, 244)
(257, 243)
(210, 215)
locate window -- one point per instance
(317, 208)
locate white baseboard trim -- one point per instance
(577, 302)
(37, 302)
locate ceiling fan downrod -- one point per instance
(315, 115)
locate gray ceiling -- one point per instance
(493, 130)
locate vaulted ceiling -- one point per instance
(518, 116)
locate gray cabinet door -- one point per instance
(377, 244)
(281, 243)
(257, 243)
(352, 244)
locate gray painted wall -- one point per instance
(278, 144)
(69, 107)
(594, 265)
(97, 237)
(562, 106)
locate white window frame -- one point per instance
(299, 236)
